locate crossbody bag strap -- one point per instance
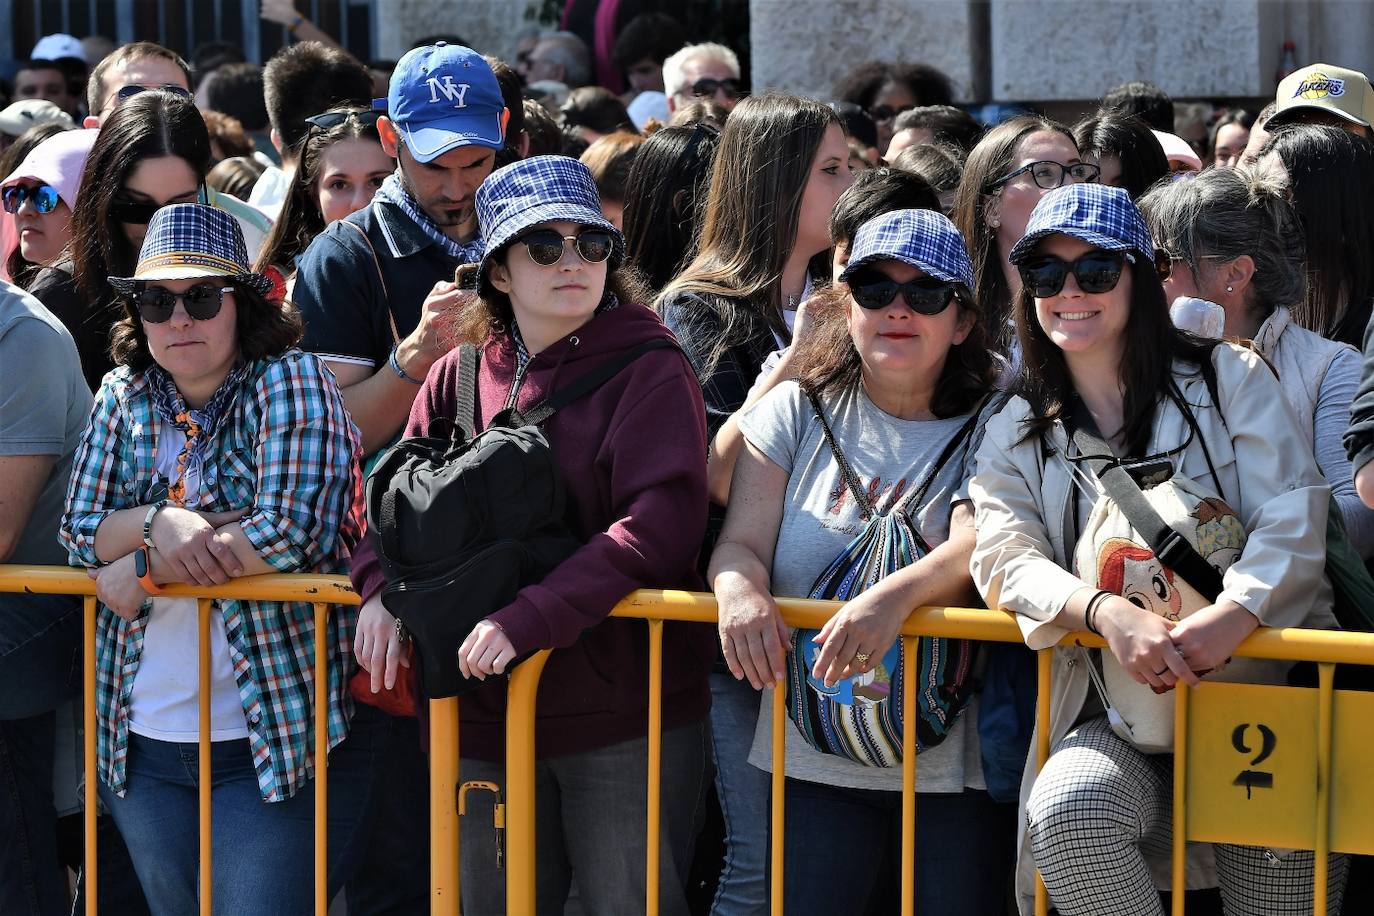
(957, 441)
(469, 358)
(381, 277)
(1172, 548)
(856, 487)
(586, 384)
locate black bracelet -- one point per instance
(1090, 612)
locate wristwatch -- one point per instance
(148, 522)
(143, 569)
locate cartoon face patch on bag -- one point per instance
(865, 689)
(1125, 568)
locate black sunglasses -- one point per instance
(332, 119)
(873, 289)
(546, 246)
(707, 87)
(1049, 175)
(887, 112)
(43, 197)
(1096, 272)
(137, 213)
(203, 302)
(127, 92)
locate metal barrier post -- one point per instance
(910, 647)
(520, 802)
(88, 750)
(1177, 874)
(205, 774)
(444, 832)
(775, 847)
(1044, 681)
(655, 787)
(1326, 675)
(321, 759)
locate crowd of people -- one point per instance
(863, 348)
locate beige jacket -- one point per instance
(1021, 495)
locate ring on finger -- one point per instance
(861, 658)
(1162, 672)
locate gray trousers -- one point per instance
(590, 829)
(1100, 804)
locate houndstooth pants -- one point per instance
(1100, 805)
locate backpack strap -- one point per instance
(856, 488)
(469, 358)
(1172, 548)
(586, 384)
(959, 440)
(381, 277)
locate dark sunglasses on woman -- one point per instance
(873, 289)
(545, 246)
(887, 112)
(334, 118)
(706, 87)
(203, 301)
(1049, 175)
(138, 213)
(43, 197)
(1095, 271)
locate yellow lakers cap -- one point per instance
(1326, 87)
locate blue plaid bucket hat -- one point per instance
(922, 239)
(542, 189)
(188, 241)
(1103, 216)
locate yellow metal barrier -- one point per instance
(1312, 743)
(319, 591)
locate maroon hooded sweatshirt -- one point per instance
(633, 455)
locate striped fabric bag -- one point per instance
(861, 718)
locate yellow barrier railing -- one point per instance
(1313, 766)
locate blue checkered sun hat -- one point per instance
(188, 241)
(922, 239)
(1103, 216)
(530, 192)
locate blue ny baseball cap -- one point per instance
(445, 96)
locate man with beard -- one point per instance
(375, 289)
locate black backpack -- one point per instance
(461, 523)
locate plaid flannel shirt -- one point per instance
(287, 452)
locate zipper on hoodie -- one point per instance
(520, 371)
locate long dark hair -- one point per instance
(1128, 138)
(1331, 179)
(752, 210)
(300, 219)
(989, 161)
(830, 361)
(1146, 364)
(663, 198)
(149, 125)
(263, 328)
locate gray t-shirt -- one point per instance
(44, 406)
(819, 520)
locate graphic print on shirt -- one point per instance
(882, 495)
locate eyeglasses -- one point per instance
(1050, 175)
(706, 87)
(887, 112)
(873, 289)
(43, 197)
(137, 213)
(331, 119)
(203, 302)
(1096, 272)
(545, 246)
(127, 92)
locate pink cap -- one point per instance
(58, 161)
(1177, 150)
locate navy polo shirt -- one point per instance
(357, 307)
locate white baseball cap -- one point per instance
(56, 47)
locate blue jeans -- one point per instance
(40, 668)
(591, 828)
(392, 876)
(263, 853)
(843, 847)
(743, 792)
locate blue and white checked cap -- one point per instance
(923, 239)
(188, 241)
(1103, 216)
(542, 189)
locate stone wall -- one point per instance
(490, 26)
